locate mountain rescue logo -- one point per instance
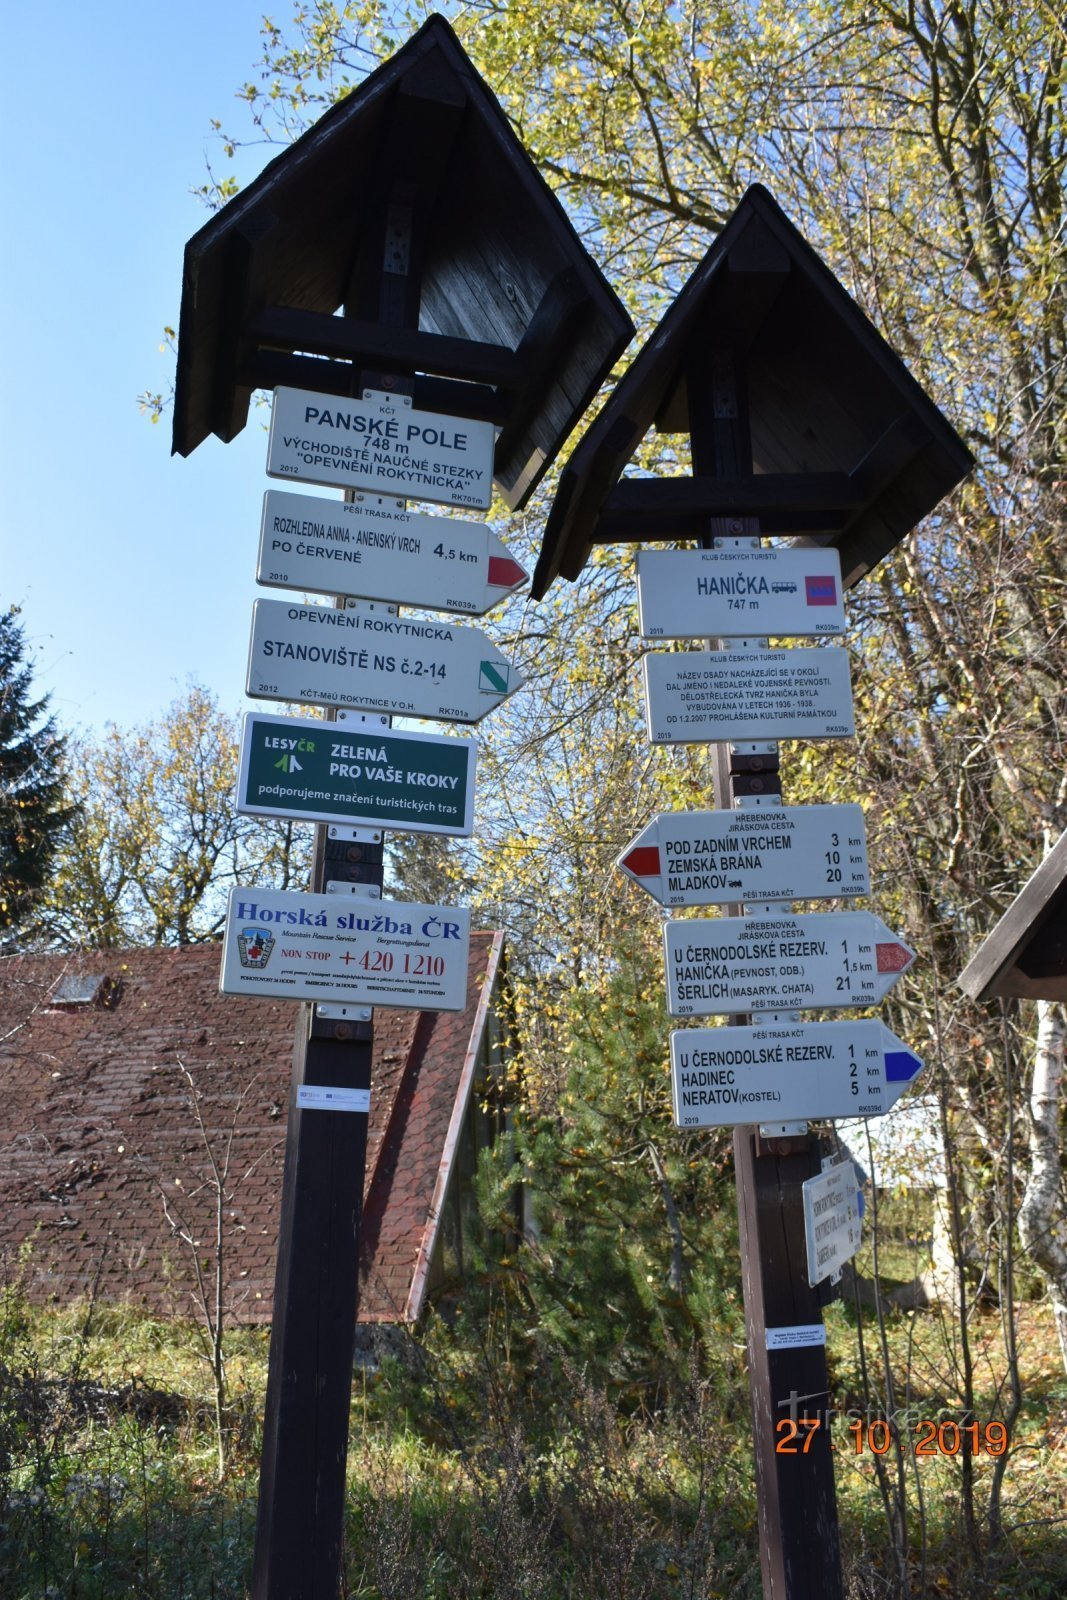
(255, 947)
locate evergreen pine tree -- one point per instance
(31, 784)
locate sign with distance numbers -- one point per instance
(780, 962)
(374, 548)
(707, 858)
(787, 1072)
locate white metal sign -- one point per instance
(373, 547)
(332, 947)
(372, 661)
(799, 1336)
(780, 963)
(722, 695)
(706, 858)
(787, 1072)
(729, 594)
(832, 1220)
(380, 443)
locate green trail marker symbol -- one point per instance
(492, 679)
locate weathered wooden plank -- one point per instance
(272, 369)
(799, 1539)
(552, 328)
(649, 508)
(350, 338)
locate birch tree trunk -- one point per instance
(1042, 1226)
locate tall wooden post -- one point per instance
(411, 208)
(300, 1516)
(800, 1547)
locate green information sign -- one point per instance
(357, 775)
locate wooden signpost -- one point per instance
(801, 423)
(352, 218)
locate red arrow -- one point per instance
(892, 957)
(504, 573)
(643, 862)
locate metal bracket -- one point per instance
(362, 891)
(383, 397)
(353, 835)
(778, 1130)
(342, 1013)
(360, 498)
(354, 603)
(756, 802)
(737, 542)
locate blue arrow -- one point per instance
(901, 1066)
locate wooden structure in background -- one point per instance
(98, 1125)
(1025, 956)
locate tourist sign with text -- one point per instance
(383, 444)
(787, 1072)
(374, 548)
(372, 661)
(729, 594)
(345, 948)
(720, 695)
(352, 775)
(780, 962)
(707, 858)
(833, 1213)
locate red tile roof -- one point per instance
(99, 1142)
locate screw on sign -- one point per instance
(715, 697)
(382, 443)
(739, 593)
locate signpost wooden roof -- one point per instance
(1026, 954)
(514, 322)
(846, 448)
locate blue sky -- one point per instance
(134, 569)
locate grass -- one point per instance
(482, 1470)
